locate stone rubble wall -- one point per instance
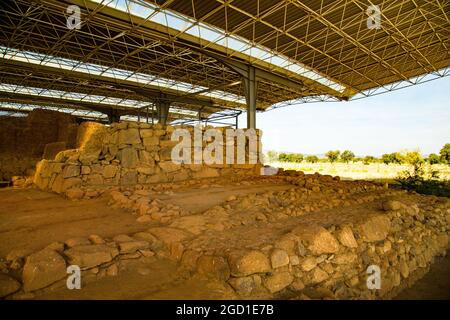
(126, 154)
(403, 234)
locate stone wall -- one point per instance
(24, 141)
(129, 153)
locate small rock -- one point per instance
(8, 285)
(144, 219)
(308, 263)
(279, 258)
(346, 237)
(243, 285)
(318, 275)
(80, 241)
(297, 285)
(278, 281)
(96, 239)
(74, 194)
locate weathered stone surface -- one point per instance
(56, 246)
(205, 173)
(244, 263)
(151, 141)
(318, 275)
(308, 263)
(392, 205)
(213, 266)
(132, 246)
(346, 237)
(110, 171)
(144, 219)
(128, 157)
(129, 136)
(71, 171)
(348, 258)
(278, 281)
(88, 256)
(80, 241)
(96, 239)
(243, 285)
(74, 194)
(279, 258)
(8, 285)
(128, 178)
(145, 236)
(169, 235)
(42, 269)
(319, 240)
(169, 166)
(376, 228)
(122, 238)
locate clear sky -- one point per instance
(417, 117)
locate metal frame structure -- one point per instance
(210, 60)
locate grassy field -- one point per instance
(359, 170)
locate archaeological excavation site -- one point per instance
(132, 165)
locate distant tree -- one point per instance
(445, 153)
(296, 157)
(433, 158)
(369, 159)
(347, 156)
(290, 157)
(395, 157)
(272, 156)
(283, 157)
(333, 155)
(312, 159)
(413, 158)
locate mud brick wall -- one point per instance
(24, 140)
(129, 153)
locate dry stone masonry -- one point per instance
(315, 239)
(129, 153)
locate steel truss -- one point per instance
(205, 58)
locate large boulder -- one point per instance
(42, 269)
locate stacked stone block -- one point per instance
(130, 153)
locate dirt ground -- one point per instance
(31, 219)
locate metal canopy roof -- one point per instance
(186, 52)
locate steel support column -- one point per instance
(162, 108)
(113, 116)
(250, 96)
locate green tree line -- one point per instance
(406, 157)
